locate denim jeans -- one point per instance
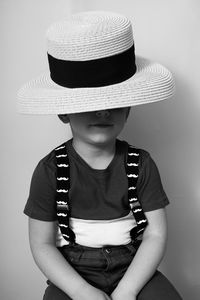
(104, 267)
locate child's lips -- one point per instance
(102, 125)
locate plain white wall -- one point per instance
(165, 31)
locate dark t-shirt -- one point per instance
(94, 194)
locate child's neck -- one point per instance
(97, 156)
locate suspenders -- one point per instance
(62, 197)
(135, 206)
(63, 186)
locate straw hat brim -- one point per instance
(152, 82)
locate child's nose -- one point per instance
(103, 113)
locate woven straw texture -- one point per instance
(87, 36)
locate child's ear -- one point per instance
(64, 118)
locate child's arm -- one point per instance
(146, 259)
(54, 266)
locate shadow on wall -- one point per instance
(169, 131)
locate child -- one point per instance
(96, 207)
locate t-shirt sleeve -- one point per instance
(41, 203)
(149, 187)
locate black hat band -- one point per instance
(93, 73)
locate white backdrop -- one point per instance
(166, 31)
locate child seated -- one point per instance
(96, 207)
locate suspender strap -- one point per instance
(135, 206)
(63, 186)
(62, 193)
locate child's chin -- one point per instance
(101, 139)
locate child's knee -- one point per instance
(54, 293)
(157, 288)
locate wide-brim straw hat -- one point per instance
(93, 67)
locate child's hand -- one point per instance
(92, 293)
